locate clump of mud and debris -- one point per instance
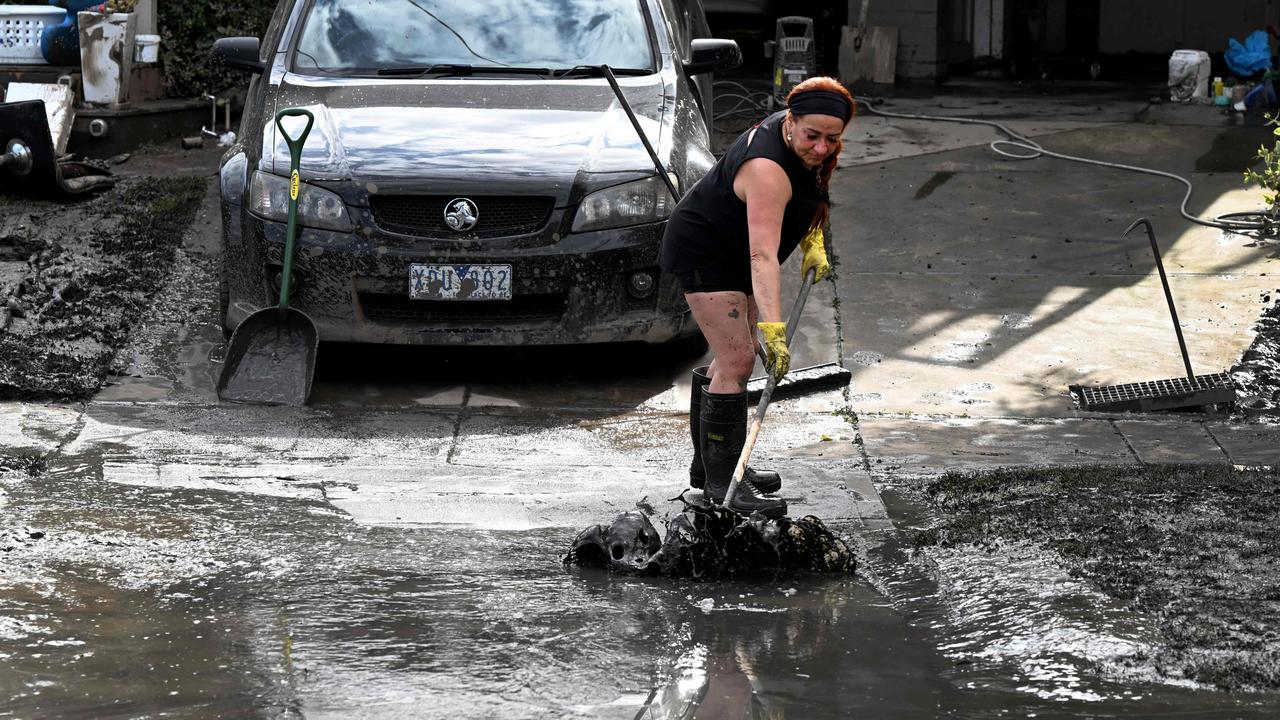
(1257, 374)
(1193, 548)
(706, 543)
(76, 277)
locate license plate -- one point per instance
(460, 282)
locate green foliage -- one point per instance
(1269, 176)
(187, 32)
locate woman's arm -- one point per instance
(763, 185)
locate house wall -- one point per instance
(917, 23)
(988, 28)
(1144, 26)
(1162, 26)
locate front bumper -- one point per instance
(355, 287)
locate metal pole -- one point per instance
(622, 100)
(1168, 296)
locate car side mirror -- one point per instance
(238, 53)
(712, 55)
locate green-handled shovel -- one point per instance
(271, 358)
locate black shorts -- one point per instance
(700, 268)
(699, 280)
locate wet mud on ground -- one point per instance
(1257, 374)
(1193, 550)
(122, 601)
(76, 278)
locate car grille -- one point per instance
(496, 216)
(397, 308)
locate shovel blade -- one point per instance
(271, 359)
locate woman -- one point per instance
(724, 243)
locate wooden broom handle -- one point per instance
(754, 431)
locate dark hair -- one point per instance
(829, 164)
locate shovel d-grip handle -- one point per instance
(295, 187)
(295, 144)
(763, 404)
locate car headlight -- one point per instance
(317, 207)
(633, 203)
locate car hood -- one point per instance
(469, 135)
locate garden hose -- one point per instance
(748, 106)
(752, 106)
(1259, 221)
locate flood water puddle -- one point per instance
(147, 602)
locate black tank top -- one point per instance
(710, 223)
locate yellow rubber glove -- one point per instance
(815, 255)
(777, 355)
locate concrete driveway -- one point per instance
(975, 288)
(970, 291)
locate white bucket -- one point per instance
(1189, 75)
(146, 48)
(105, 61)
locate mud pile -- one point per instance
(711, 543)
(1193, 548)
(1258, 373)
(75, 278)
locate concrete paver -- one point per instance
(1172, 442)
(826, 487)
(927, 446)
(1252, 445)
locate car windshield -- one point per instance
(472, 36)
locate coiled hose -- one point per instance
(748, 107)
(1256, 222)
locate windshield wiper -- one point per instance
(458, 70)
(416, 70)
(593, 71)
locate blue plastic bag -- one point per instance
(1253, 56)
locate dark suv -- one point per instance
(471, 177)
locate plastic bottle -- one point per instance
(1219, 92)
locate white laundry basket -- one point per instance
(20, 27)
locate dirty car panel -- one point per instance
(489, 147)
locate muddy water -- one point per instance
(122, 602)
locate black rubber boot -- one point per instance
(722, 433)
(766, 481)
